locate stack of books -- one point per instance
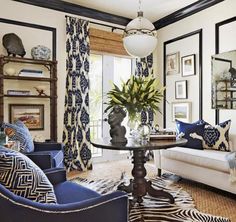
(163, 135)
(31, 73)
(18, 92)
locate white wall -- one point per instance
(31, 37)
(206, 20)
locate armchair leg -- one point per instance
(159, 172)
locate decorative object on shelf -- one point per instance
(41, 52)
(181, 111)
(140, 36)
(188, 65)
(117, 131)
(232, 71)
(18, 92)
(10, 71)
(41, 90)
(39, 138)
(31, 73)
(181, 89)
(13, 44)
(138, 94)
(172, 63)
(32, 115)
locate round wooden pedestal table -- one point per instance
(139, 186)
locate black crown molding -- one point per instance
(185, 12)
(78, 10)
(119, 20)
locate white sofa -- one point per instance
(205, 166)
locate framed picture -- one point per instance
(32, 115)
(181, 89)
(181, 111)
(188, 65)
(172, 63)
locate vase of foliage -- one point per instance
(137, 94)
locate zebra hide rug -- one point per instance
(155, 210)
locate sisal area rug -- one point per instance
(157, 210)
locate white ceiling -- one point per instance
(153, 9)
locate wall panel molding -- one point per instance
(217, 50)
(165, 44)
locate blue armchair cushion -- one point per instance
(19, 132)
(24, 178)
(68, 192)
(186, 130)
(56, 157)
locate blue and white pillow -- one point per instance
(19, 132)
(217, 137)
(186, 130)
(24, 178)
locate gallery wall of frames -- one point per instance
(182, 77)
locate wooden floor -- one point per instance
(207, 200)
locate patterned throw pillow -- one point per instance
(217, 137)
(22, 177)
(185, 130)
(19, 132)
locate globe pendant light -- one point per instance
(140, 36)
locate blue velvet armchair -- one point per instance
(47, 155)
(75, 203)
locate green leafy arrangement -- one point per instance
(137, 94)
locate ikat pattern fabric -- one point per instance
(144, 67)
(19, 132)
(22, 177)
(215, 137)
(76, 134)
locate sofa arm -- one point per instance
(56, 175)
(38, 146)
(41, 160)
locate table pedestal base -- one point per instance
(139, 186)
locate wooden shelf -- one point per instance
(27, 60)
(226, 90)
(26, 78)
(28, 96)
(50, 81)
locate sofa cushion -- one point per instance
(185, 130)
(19, 132)
(22, 177)
(215, 137)
(70, 192)
(211, 159)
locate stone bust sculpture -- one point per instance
(117, 131)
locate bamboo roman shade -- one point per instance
(109, 42)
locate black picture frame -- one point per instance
(183, 90)
(188, 65)
(32, 115)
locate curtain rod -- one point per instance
(97, 23)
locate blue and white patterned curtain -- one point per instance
(144, 67)
(76, 133)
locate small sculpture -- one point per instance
(41, 52)
(13, 44)
(41, 90)
(117, 132)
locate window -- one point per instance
(104, 70)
